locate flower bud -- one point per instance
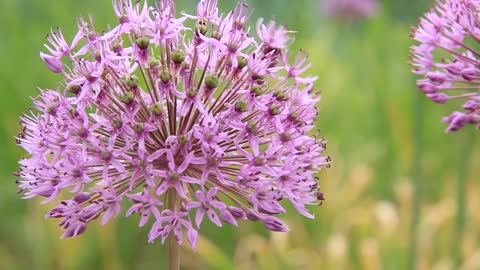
(156, 109)
(471, 105)
(201, 27)
(53, 63)
(74, 89)
(139, 127)
(258, 79)
(285, 137)
(153, 62)
(440, 98)
(142, 43)
(251, 127)
(253, 216)
(257, 90)
(237, 212)
(128, 98)
(242, 62)
(182, 139)
(258, 161)
(274, 110)
(116, 123)
(281, 96)
(293, 116)
(191, 93)
(437, 77)
(228, 217)
(132, 81)
(117, 47)
(81, 197)
(217, 35)
(211, 81)
(470, 74)
(426, 86)
(274, 224)
(320, 196)
(178, 57)
(241, 106)
(165, 76)
(106, 155)
(75, 230)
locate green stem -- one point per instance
(463, 168)
(416, 177)
(173, 246)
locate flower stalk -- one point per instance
(173, 246)
(417, 129)
(462, 196)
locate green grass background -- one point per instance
(388, 147)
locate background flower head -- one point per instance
(349, 9)
(447, 58)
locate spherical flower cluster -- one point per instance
(349, 9)
(186, 122)
(448, 56)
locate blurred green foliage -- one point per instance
(377, 130)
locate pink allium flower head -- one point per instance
(448, 56)
(350, 9)
(187, 118)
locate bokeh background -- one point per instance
(401, 193)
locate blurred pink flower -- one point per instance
(349, 9)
